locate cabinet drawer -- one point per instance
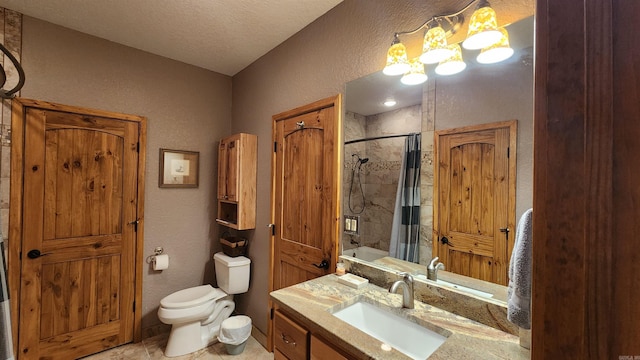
(290, 338)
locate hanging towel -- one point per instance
(519, 290)
(6, 343)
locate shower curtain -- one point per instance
(6, 343)
(405, 231)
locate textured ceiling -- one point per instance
(220, 35)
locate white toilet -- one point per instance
(195, 314)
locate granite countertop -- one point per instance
(311, 303)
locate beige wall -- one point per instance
(187, 108)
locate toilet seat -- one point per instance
(191, 297)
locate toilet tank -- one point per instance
(232, 273)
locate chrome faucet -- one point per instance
(432, 269)
(407, 289)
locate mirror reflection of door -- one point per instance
(475, 197)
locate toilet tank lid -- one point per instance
(231, 261)
(191, 297)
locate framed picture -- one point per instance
(178, 169)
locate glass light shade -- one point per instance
(497, 52)
(416, 75)
(483, 29)
(434, 48)
(452, 65)
(397, 62)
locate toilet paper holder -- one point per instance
(157, 251)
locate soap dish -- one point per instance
(353, 281)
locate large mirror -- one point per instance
(375, 137)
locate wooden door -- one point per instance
(79, 231)
(306, 193)
(475, 196)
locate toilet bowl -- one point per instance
(195, 314)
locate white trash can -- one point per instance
(234, 333)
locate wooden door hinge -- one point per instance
(508, 152)
(275, 146)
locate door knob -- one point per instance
(34, 254)
(445, 241)
(324, 264)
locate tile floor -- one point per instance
(152, 349)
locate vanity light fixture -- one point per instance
(483, 28)
(483, 33)
(453, 64)
(397, 61)
(497, 52)
(435, 46)
(416, 74)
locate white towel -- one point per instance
(519, 291)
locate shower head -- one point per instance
(359, 160)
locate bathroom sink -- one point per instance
(458, 286)
(394, 331)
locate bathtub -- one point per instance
(366, 253)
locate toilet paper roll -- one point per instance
(161, 262)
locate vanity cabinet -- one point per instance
(290, 339)
(293, 342)
(320, 350)
(237, 163)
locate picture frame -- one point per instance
(178, 169)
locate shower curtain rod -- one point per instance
(377, 138)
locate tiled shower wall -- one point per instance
(379, 176)
(11, 38)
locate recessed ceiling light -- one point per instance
(389, 102)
